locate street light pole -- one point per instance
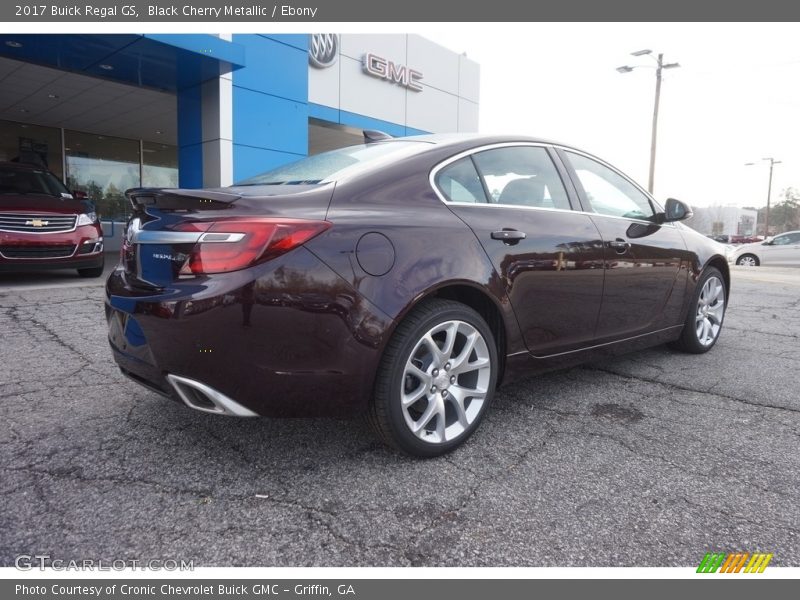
(654, 133)
(660, 66)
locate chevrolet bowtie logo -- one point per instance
(37, 222)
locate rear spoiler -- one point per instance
(179, 199)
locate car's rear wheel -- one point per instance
(436, 379)
(748, 260)
(93, 272)
(706, 314)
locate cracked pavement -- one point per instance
(651, 459)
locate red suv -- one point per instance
(44, 226)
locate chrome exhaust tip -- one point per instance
(204, 398)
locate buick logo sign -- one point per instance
(323, 48)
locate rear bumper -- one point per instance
(284, 339)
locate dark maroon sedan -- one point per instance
(406, 279)
(43, 226)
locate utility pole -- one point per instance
(660, 66)
(772, 163)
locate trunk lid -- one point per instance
(169, 228)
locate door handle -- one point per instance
(509, 236)
(620, 245)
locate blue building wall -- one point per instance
(270, 110)
(270, 103)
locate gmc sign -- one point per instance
(382, 68)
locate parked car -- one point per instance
(745, 239)
(416, 290)
(783, 249)
(43, 226)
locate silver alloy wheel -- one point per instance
(445, 382)
(747, 261)
(710, 310)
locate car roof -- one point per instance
(463, 142)
(453, 139)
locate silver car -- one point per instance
(781, 250)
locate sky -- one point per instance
(735, 99)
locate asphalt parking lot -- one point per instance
(648, 460)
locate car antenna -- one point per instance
(373, 135)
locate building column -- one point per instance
(205, 134)
(190, 137)
(247, 121)
(270, 103)
(218, 132)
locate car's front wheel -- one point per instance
(436, 379)
(748, 260)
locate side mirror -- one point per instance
(675, 210)
(79, 194)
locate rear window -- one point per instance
(20, 181)
(335, 165)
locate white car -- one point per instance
(783, 249)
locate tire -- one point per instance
(429, 401)
(705, 315)
(92, 272)
(748, 260)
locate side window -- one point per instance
(523, 176)
(608, 192)
(459, 182)
(782, 240)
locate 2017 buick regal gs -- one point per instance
(405, 279)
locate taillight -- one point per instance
(233, 244)
(126, 252)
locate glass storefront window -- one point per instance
(159, 165)
(103, 167)
(31, 143)
(324, 136)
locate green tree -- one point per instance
(785, 215)
(113, 205)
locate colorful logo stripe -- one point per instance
(734, 562)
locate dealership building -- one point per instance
(110, 112)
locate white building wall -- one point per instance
(448, 102)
